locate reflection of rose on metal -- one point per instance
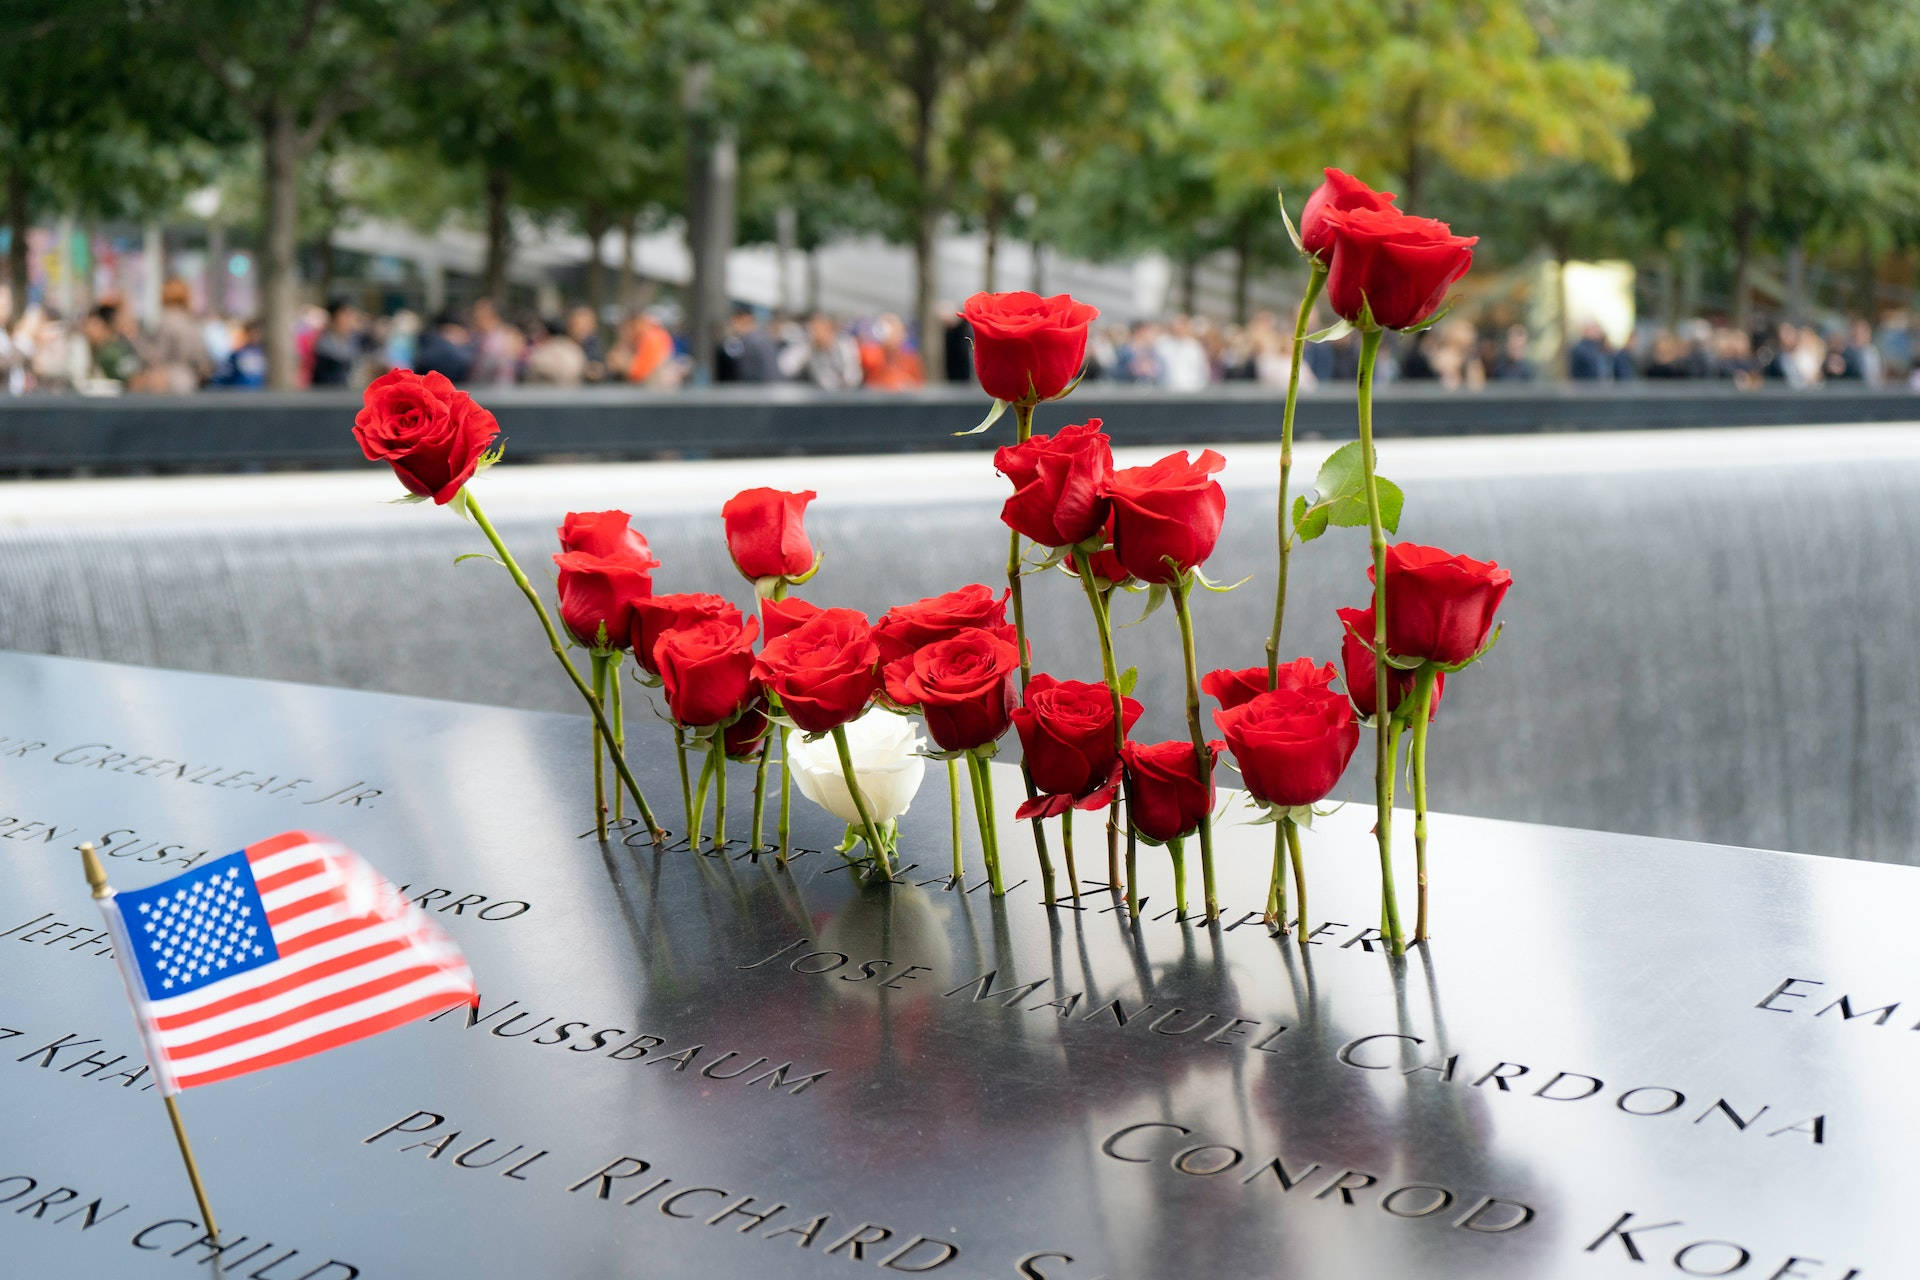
(887, 765)
(889, 932)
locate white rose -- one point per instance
(886, 761)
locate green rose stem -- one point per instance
(1422, 710)
(1383, 759)
(599, 757)
(1204, 760)
(1066, 843)
(1103, 623)
(719, 761)
(1292, 829)
(1177, 847)
(686, 782)
(981, 773)
(760, 786)
(697, 827)
(1316, 277)
(953, 801)
(1277, 884)
(618, 713)
(560, 652)
(1023, 430)
(786, 797)
(871, 832)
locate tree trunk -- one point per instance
(629, 233)
(1743, 222)
(990, 253)
(1866, 282)
(17, 230)
(1189, 281)
(1795, 268)
(786, 238)
(926, 224)
(279, 270)
(493, 281)
(1242, 268)
(217, 275)
(595, 219)
(328, 265)
(813, 278)
(712, 173)
(1037, 280)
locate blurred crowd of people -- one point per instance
(109, 350)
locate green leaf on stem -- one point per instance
(1210, 585)
(1433, 319)
(1332, 333)
(406, 499)
(1292, 233)
(1054, 556)
(1340, 496)
(1156, 596)
(993, 416)
(1308, 521)
(1128, 679)
(478, 555)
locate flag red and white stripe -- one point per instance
(291, 947)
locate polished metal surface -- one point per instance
(1607, 1035)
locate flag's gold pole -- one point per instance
(97, 878)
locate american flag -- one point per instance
(287, 948)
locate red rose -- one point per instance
(1059, 484)
(825, 671)
(1169, 511)
(743, 739)
(1027, 348)
(1340, 192)
(1231, 688)
(963, 686)
(767, 534)
(1066, 731)
(707, 669)
(1356, 655)
(432, 434)
(1165, 799)
(598, 596)
(657, 615)
(1292, 745)
(1103, 562)
(605, 533)
(1396, 266)
(906, 629)
(777, 617)
(1440, 606)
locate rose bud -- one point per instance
(605, 533)
(1394, 267)
(1356, 656)
(766, 533)
(1440, 606)
(1292, 745)
(598, 596)
(433, 435)
(1066, 732)
(1059, 484)
(777, 617)
(906, 629)
(1027, 348)
(744, 738)
(887, 765)
(657, 615)
(1165, 798)
(825, 671)
(1231, 688)
(1170, 511)
(1104, 564)
(963, 686)
(1340, 192)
